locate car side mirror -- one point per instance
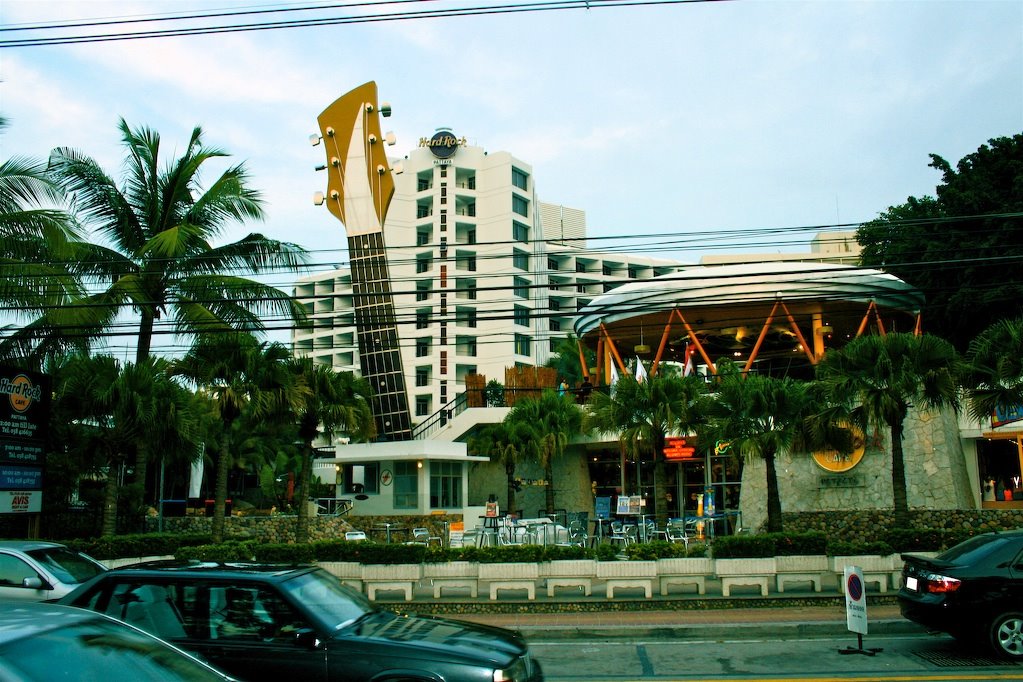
(307, 639)
(35, 584)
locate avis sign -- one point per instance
(21, 501)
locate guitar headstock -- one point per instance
(359, 181)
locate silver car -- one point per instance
(32, 570)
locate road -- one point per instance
(903, 658)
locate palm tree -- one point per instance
(157, 258)
(240, 376)
(548, 423)
(643, 413)
(338, 402)
(993, 374)
(34, 234)
(761, 416)
(881, 377)
(507, 444)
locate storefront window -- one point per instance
(999, 465)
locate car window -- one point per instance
(983, 549)
(252, 612)
(152, 608)
(13, 570)
(325, 596)
(69, 567)
(102, 651)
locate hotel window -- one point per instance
(445, 485)
(522, 316)
(555, 326)
(423, 347)
(520, 179)
(422, 238)
(423, 263)
(423, 318)
(466, 288)
(422, 291)
(422, 377)
(520, 205)
(471, 182)
(466, 261)
(406, 485)
(520, 232)
(423, 184)
(552, 264)
(422, 406)
(522, 344)
(422, 210)
(555, 305)
(606, 269)
(633, 273)
(465, 317)
(520, 259)
(466, 345)
(521, 287)
(470, 236)
(444, 171)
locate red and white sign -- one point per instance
(21, 501)
(676, 448)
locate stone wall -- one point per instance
(281, 528)
(936, 474)
(870, 525)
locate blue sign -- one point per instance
(20, 478)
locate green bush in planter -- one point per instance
(697, 550)
(744, 546)
(799, 544)
(658, 549)
(841, 548)
(233, 551)
(918, 539)
(607, 552)
(137, 545)
(285, 553)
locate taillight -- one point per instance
(939, 584)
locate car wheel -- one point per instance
(1007, 635)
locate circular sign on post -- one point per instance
(855, 602)
(836, 462)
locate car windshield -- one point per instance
(69, 567)
(101, 650)
(325, 596)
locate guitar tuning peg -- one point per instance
(372, 138)
(390, 139)
(334, 194)
(334, 161)
(318, 198)
(330, 131)
(314, 139)
(381, 169)
(385, 109)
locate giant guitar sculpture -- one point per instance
(359, 191)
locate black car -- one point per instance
(50, 642)
(268, 622)
(973, 591)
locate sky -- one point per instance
(697, 118)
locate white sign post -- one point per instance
(856, 609)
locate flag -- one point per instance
(614, 378)
(640, 370)
(687, 368)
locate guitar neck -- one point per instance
(379, 349)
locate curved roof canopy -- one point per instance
(727, 306)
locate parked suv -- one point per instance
(270, 622)
(31, 570)
(973, 591)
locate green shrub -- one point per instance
(137, 545)
(744, 546)
(842, 548)
(792, 544)
(285, 554)
(918, 539)
(607, 552)
(658, 549)
(227, 552)
(697, 550)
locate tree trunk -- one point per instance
(774, 523)
(304, 478)
(220, 489)
(109, 527)
(901, 503)
(145, 339)
(661, 492)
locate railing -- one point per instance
(440, 418)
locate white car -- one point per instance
(32, 570)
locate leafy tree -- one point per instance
(565, 360)
(962, 249)
(761, 416)
(337, 402)
(546, 425)
(241, 376)
(156, 258)
(993, 375)
(881, 377)
(643, 413)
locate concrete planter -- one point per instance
(627, 574)
(745, 572)
(876, 568)
(127, 561)
(687, 571)
(510, 576)
(809, 568)
(453, 574)
(576, 573)
(391, 577)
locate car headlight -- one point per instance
(516, 672)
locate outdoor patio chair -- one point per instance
(356, 535)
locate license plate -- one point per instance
(911, 583)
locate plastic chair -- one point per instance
(618, 533)
(676, 532)
(421, 536)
